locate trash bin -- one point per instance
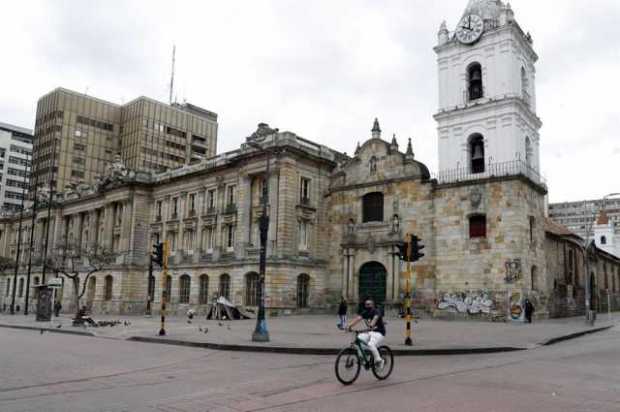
(44, 303)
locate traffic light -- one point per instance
(158, 254)
(410, 252)
(416, 248)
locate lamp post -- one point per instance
(261, 334)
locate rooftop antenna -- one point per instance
(174, 49)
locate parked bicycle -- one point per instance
(351, 359)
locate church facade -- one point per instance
(336, 220)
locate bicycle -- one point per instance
(350, 360)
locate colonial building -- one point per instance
(336, 221)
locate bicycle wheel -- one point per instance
(347, 366)
(388, 365)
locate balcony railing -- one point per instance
(504, 169)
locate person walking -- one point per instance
(529, 310)
(57, 308)
(342, 313)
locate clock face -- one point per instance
(470, 29)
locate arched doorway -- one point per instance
(372, 282)
(90, 293)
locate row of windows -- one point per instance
(21, 150)
(17, 172)
(17, 183)
(95, 123)
(19, 161)
(57, 114)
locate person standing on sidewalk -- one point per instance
(342, 313)
(529, 310)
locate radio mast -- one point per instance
(174, 49)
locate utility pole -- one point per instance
(174, 50)
(164, 291)
(408, 340)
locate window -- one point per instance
(230, 236)
(107, 287)
(17, 172)
(534, 278)
(175, 207)
(208, 238)
(477, 226)
(21, 288)
(532, 226)
(303, 284)
(158, 210)
(18, 161)
(231, 195)
(304, 194)
(184, 288)
(172, 240)
(77, 173)
(192, 204)
(203, 293)
(225, 286)
(524, 85)
(79, 147)
(189, 240)
(372, 207)
(8, 287)
(211, 199)
(303, 235)
(474, 82)
(476, 153)
(603, 240)
(251, 289)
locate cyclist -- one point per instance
(373, 338)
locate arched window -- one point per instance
(225, 286)
(477, 226)
(476, 153)
(303, 287)
(184, 288)
(251, 289)
(203, 295)
(36, 280)
(107, 287)
(372, 207)
(603, 240)
(21, 288)
(475, 89)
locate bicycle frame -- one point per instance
(360, 346)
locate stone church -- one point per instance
(336, 220)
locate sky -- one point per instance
(322, 69)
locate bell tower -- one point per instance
(487, 94)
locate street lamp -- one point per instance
(261, 334)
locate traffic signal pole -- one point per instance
(408, 340)
(164, 292)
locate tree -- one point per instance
(71, 260)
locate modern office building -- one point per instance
(15, 162)
(581, 216)
(82, 134)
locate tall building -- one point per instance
(487, 118)
(83, 134)
(15, 163)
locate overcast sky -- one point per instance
(321, 69)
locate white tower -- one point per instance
(487, 96)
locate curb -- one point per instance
(46, 329)
(576, 335)
(319, 351)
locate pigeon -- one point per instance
(199, 328)
(59, 326)
(189, 321)
(220, 324)
(206, 330)
(42, 331)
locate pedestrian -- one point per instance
(529, 310)
(342, 313)
(190, 315)
(57, 308)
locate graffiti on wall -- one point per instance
(517, 312)
(473, 302)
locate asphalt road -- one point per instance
(53, 372)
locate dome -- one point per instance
(489, 10)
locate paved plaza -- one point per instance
(58, 373)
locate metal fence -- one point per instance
(504, 169)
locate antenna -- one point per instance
(174, 49)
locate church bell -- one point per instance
(477, 153)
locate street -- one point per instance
(53, 372)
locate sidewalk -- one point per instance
(318, 334)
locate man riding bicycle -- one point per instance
(373, 338)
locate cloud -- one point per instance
(321, 69)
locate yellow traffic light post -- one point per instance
(164, 292)
(409, 251)
(408, 331)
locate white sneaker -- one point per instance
(379, 365)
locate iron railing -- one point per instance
(503, 169)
